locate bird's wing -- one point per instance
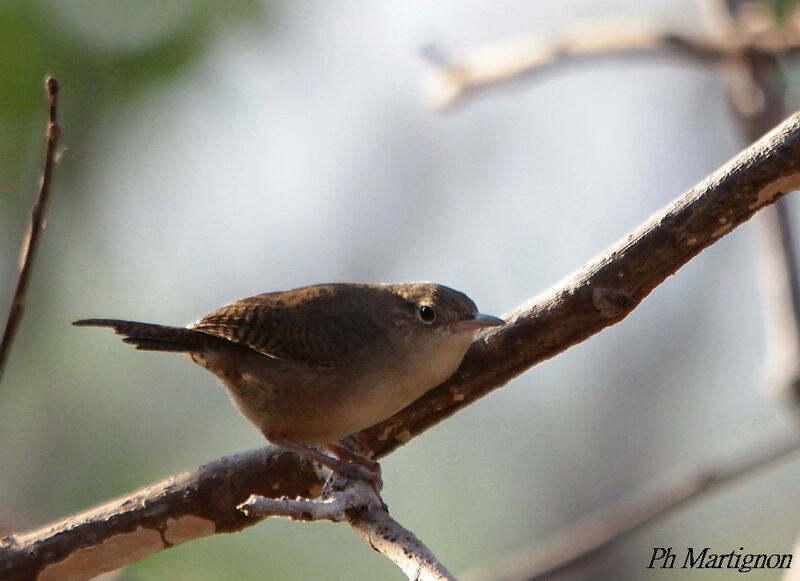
(311, 328)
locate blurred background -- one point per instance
(219, 150)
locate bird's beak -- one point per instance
(478, 321)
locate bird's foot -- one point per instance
(355, 465)
(344, 453)
(349, 464)
(360, 472)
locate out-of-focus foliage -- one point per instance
(783, 8)
(99, 49)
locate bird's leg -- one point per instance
(344, 453)
(351, 469)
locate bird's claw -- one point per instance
(359, 472)
(353, 471)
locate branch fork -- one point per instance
(342, 494)
(357, 502)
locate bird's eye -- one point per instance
(426, 313)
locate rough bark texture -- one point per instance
(194, 504)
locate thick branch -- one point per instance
(37, 224)
(600, 294)
(607, 289)
(181, 508)
(756, 94)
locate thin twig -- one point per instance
(37, 225)
(614, 522)
(452, 81)
(356, 493)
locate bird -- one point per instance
(311, 365)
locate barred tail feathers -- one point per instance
(152, 337)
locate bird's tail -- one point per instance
(150, 337)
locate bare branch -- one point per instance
(36, 227)
(607, 289)
(357, 501)
(452, 81)
(357, 493)
(756, 93)
(757, 98)
(602, 293)
(631, 513)
(384, 534)
(181, 508)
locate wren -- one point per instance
(311, 365)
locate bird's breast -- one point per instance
(403, 378)
(313, 406)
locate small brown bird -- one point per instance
(311, 365)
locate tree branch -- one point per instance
(180, 508)
(608, 288)
(756, 95)
(602, 293)
(755, 87)
(453, 81)
(616, 521)
(357, 501)
(756, 91)
(37, 225)
(358, 493)
(752, 79)
(384, 534)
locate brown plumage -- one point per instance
(317, 363)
